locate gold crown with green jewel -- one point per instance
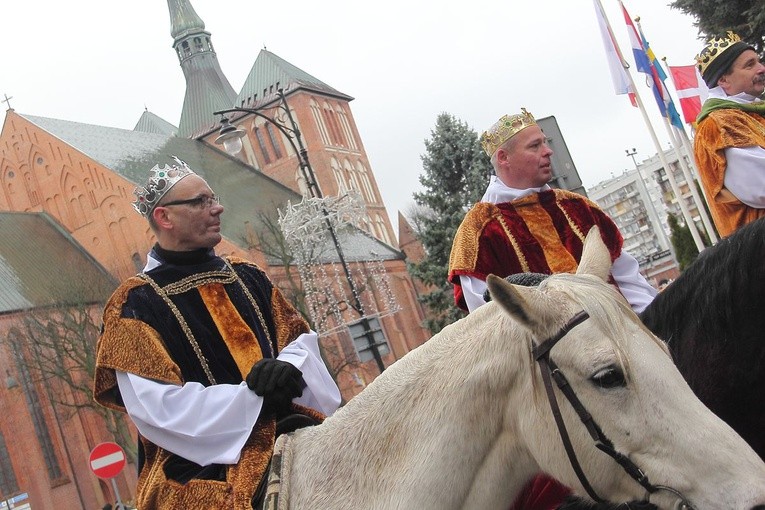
(504, 129)
(160, 181)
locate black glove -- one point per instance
(277, 381)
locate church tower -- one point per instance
(207, 88)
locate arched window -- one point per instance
(342, 184)
(261, 138)
(34, 406)
(320, 124)
(353, 180)
(346, 127)
(335, 134)
(8, 483)
(366, 183)
(274, 141)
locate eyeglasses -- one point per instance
(202, 202)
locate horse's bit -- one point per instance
(549, 371)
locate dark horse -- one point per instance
(713, 319)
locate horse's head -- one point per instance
(623, 376)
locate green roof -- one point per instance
(269, 73)
(183, 19)
(42, 265)
(247, 194)
(152, 123)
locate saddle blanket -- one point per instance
(277, 488)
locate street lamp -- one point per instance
(231, 138)
(653, 214)
(632, 155)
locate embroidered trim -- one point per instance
(574, 226)
(197, 280)
(514, 242)
(184, 325)
(252, 302)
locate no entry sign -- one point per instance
(107, 460)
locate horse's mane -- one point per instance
(604, 305)
(712, 313)
(732, 270)
(602, 302)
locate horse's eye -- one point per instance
(609, 377)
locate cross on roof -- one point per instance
(7, 100)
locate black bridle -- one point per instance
(550, 371)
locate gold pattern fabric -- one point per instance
(131, 345)
(238, 337)
(542, 233)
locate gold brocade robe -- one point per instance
(232, 320)
(723, 129)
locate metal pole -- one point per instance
(305, 166)
(653, 214)
(313, 187)
(373, 345)
(120, 506)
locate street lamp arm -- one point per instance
(230, 132)
(286, 130)
(291, 132)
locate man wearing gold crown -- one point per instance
(203, 352)
(729, 145)
(521, 225)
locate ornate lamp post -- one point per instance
(230, 137)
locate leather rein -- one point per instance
(550, 371)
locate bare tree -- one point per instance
(58, 349)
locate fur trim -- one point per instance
(464, 254)
(723, 129)
(288, 322)
(117, 346)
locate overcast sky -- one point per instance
(404, 62)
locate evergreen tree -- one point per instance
(715, 18)
(455, 175)
(682, 240)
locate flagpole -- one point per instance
(674, 134)
(668, 170)
(685, 141)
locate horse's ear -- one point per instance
(513, 299)
(596, 260)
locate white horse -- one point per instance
(463, 422)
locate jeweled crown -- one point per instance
(714, 48)
(504, 129)
(160, 181)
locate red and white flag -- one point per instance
(614, 57)
(691, 90)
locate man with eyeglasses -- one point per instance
(204, 354)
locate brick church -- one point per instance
(70, 234)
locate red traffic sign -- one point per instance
(107, 460)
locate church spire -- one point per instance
(183, 18)
(207, 88)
